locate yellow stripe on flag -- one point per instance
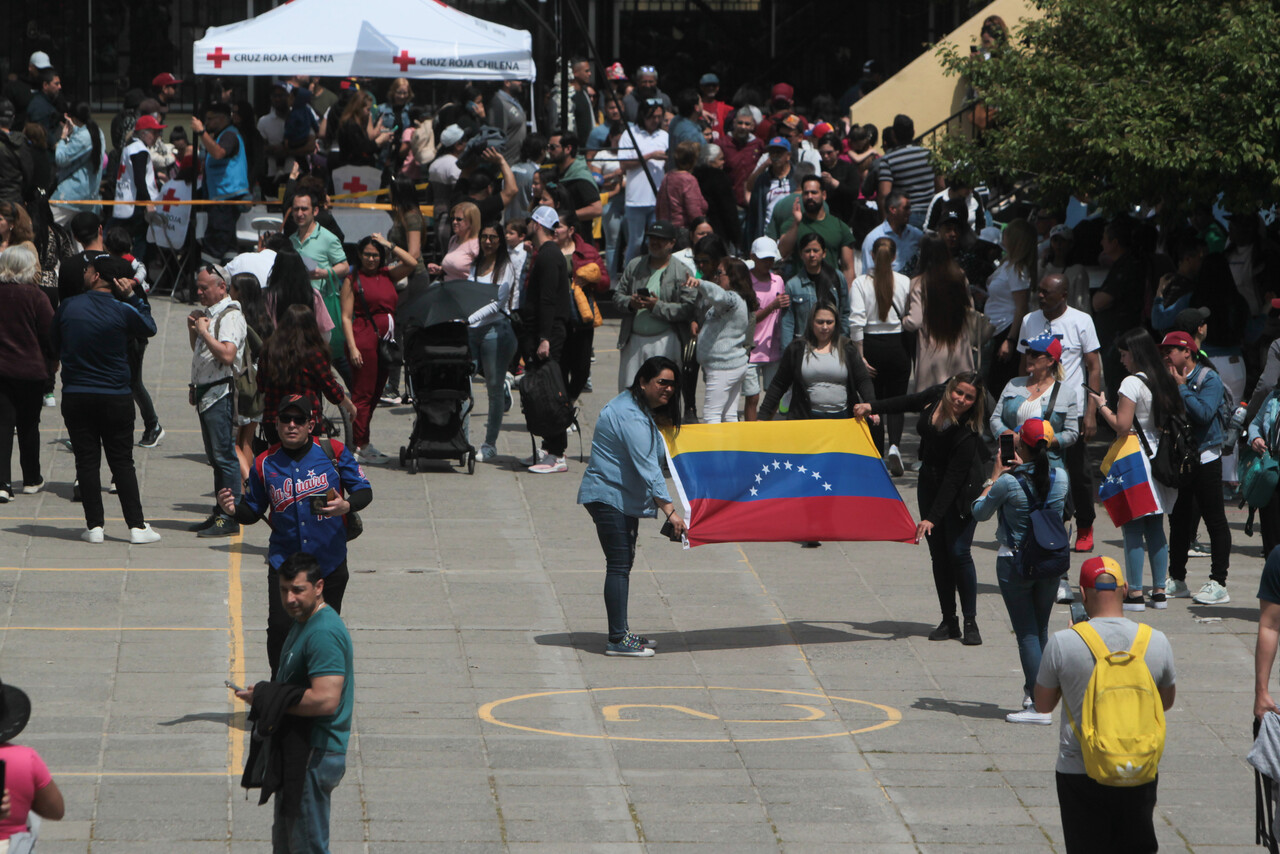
(1121, 447)
(845, 435)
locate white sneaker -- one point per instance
(371, 456)
(1175, 589)
(92, 535)
(1137, 603)
(540, 458)
(893, 460)
(1029, 716)
(1212, 593)
(49, 401)
(487, 452)
(5, 496)
(140, 536)
(554, 466)
(32, 488)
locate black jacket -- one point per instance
(280, 746)
(722, 210)
(546, 292)
(17, 170)
(857, 382)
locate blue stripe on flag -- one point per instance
(1126, 472)
(733, 475)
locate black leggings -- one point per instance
(1200, 491)
(888, 356)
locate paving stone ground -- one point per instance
(794, 705)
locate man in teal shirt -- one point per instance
(318, 655)
(808, 212)
(318, 244)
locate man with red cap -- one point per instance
(782, 100)
(136, 181)
(1202, 393)
(165, 86)
(1097, 817)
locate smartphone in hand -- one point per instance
(1006, 449)
(233, 686)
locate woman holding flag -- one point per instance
(1147, 397)
(624, 482)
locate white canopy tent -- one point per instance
(418, 39)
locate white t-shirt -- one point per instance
(271, 127)
(639, 191)
(1135, 388)
(1078, 338)
(1000, 289)
(258, 263)
(864, 311)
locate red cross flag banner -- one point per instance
(786, 481)
(167, 224)
(418, 39)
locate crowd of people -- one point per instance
(793, 262)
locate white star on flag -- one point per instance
(827, 487)
(759, 478)
(817, 476)
(788, 465)
(800, 469)
(765, 470)
(776, 465)
(754, 491)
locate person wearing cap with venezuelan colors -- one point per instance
(1201, 488)
(1095, 817)
(28, 785)
(1040, 394)
(308, 491)
(90, 337)
(1028, 601)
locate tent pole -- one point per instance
(612, 93)
(561, 61)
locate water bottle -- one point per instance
(1235, 427)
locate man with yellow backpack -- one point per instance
(1118, 680)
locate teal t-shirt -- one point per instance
(324, 248)
(322, 647)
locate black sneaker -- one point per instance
(972, 637)
(223, 526)
(151, 437)
(75, 492)
(948, 629)
(205, 523)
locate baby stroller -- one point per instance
(438, 371)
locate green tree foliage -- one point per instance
(1133, 101)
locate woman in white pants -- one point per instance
(727, 306)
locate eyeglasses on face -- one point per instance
(667, 383)
(457, 219)
(293, 418)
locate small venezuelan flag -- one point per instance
(786, 481)
(1127, 489)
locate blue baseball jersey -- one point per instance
(286, 487)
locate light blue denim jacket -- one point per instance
(1064, 419)
(1006, 495)
(624, 471)
(1202, 395)
(78, 177)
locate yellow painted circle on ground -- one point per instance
(892, 715)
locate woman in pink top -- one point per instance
(771, 294)
(680, 198)
(27, 781)
(464, 246)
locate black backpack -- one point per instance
(1044, 551)
(544, 400)
(1176, 452)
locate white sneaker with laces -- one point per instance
(1175, 589)
(143, 535)
(5, 496)
(537, 459)
(92, 535)
(1029, 716)
(32, 488)
(555, 465)
(487, 452)
(371, 456)
(1212, 593)
(893, 461)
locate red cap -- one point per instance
(148, 122)
(821, 129)
(1180, 339)
(1033, 430)
(1095, 567)
(783, 90)
(165, 79)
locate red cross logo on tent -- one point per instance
(218, 57)
(355, 185)
(169, 195)
(404, 60)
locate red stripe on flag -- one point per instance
(828, 519)
(1133, 503)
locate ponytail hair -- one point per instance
(883, 252)
(1038, 456)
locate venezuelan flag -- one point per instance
(785, 481)
(1127, 489)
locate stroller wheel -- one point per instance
(471, 462)
(413, 465)
(404, 456)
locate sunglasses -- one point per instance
(667, 383)
(297, 418)
(457, 219)
(213, 271)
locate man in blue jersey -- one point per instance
(309, 489)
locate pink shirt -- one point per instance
(24, 774)
(459, 259)
(768, 338)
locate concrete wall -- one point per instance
(922, 90)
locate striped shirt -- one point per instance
(909, 170)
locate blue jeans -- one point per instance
(1029, 604)
(493, 346)
(617, 532)
(638, 221)
(308, 832)
(611, 227)
(1150, 529)
(219, 434)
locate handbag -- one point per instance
(389, 351)
(354, 524)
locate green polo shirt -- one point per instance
(322, 247)
(322, 647)
(832, 230)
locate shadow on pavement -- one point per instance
(233, 720)
(750, 637)
(71, 531)
(1249, 613)
(962, 708)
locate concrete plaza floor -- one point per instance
(794, 704)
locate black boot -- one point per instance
(971, 635)
(948, 629)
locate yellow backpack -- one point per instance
(1121, 729)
